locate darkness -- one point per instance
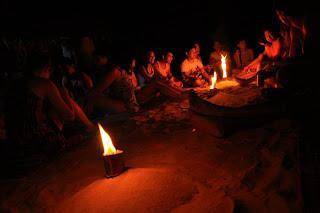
(136, 24)
(133, 27)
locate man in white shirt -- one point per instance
(193, 72)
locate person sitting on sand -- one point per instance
(267, 64)
(163, 70)
(99, 67)
(147, 69)
(242, 57)
(273, 50)
(294, 32)
(132, 74)
(197, 47)
(37, 111)
(118, 92)
(77, 83)
(215, 58)
(193, 72)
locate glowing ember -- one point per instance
(108, 147)
(226, 84)
(224, 65)
(213, 80)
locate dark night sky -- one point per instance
(165, 23)
(152, 18)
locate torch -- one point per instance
(224, 66)
(213, 83)
(113, 158)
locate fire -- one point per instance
(224, 65)
(213, 80)
(108, 147)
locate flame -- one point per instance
(108, 147)
(213, 80)
(224, 65)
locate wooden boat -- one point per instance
(221, 120)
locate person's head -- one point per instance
(217, 45)
(197, 47)
(128, 63)
(242, 44)
(168, 57)
(133, 63)
(101, 57)
(192, 54)
(68, 66)
(40, 65)
(151, 56)
(87, 44)
(270, 36)
(280, 14)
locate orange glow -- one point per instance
(108, 148)
(213, 80)
(224, 65)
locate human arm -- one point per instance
(87, 81)
(106, 82)
(145, 74)
(157, 69)
(201, 69)
(255, 64)
(60, 101)
(236, 59)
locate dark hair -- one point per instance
(38, 61)
(67, 61)
(189, 47)
(196, 43)
(125, 61)
(145, 60)
(101, 52)
(274, 33)
(164, 53)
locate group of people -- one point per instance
(41, 104)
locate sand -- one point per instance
(173, 167)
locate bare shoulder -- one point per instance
(40, 82)
(41, 87)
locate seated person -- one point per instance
(131, 72)
(193, 72)
(147, 69)
(273, 50)
(36, 111)
(99, 67)
(215, 58)
(77, 83)
(242, 57)
(163, 70)
(293, 31)
(197, 47)
(268, 62)
(118, 92)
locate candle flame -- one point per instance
(213, 80)
(108, 148)
(224, 65)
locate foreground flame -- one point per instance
(108, 148)
(213, 80)
(224, 65)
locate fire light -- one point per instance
(224, 65)
(213, 80)
(108, 148)
(113, 160)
